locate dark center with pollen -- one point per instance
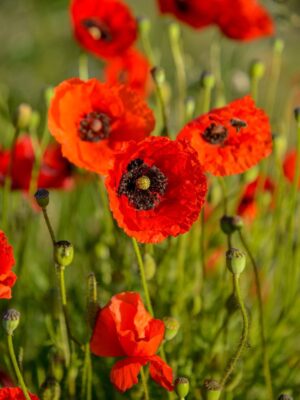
(97, 29)
(215, 134)
(94, 127)
(143, 185)
(182, 5)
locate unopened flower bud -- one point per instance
(158, 75)
(24, 116)
(144, 24)
(278, 45)
(150, 266)
(231, 224)
(212, 389)
(207, 80)
(42, 197)
(182, 387)
(297, 114)
(63, 253)
(285, 397)
(50, 389)
(10, 320)
(92, 305)
(257, 69)
(174, 31)
(171, 327)
(190, 106)
(235, 260)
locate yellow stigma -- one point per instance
(143, 182)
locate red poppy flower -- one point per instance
(246, 20)
(55, 171)
(289, 166)
(92, 120)
(132, 68)
(106, 28)
(156, 189)
(10, 393)
(7, 261)
(231, 139)
(248, 206)
(125, 329)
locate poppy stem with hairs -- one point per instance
(144, 382)
(266, 365)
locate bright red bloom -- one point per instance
(93, 120)
(248, 205)
(125, 329)
(231, 139)
(132, 68)
(14, 393)
(7, 261)
(289, 166)
(106, 28)
(156, 189)
(55, 171)
(243, 20)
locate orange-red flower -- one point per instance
(14, 393)
(156, 189)
(125, 329)
(106, 28)
(245, 20)
(289, 166)
(248, 205)
(231, 139)
(55, 171)
(131, 68)
(93, 120)
(7, 261)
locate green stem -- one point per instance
(83, 67)
(16, 366)
(203, 244)
(143, 277)
(266, 365)
(144, 382)
(245, 331)
(162, 107)
(254, 88)
(47, 220)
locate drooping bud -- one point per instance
(230, 225)
(182, 387)
(207, 80)
(285, 397)
(150, 266)
(212, 389)
(235, 260)
(63, 253)
(171, 327)
(42, 197)
(10, 320)
(50, 389)
(257, 69)
(92, 304)
(24, 116)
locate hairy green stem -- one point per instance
(145, 386)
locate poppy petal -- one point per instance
(161, 373)
(124, 373)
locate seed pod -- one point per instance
(212, 389)
(10, 320)
(42, 197)
(230, 225)
(24, 116)
(63, 253)
(235, 260)
(182, 387)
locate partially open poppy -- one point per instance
(231, 139)
(106, 28)
(289, 166)
(93, 120)
(7, 261)
(156, 189)
(124, 328)
(14, 393)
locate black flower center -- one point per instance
(182, 5)
(215, 134)
(97, 29)
(144, 186)
(94, 127)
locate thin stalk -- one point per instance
(143, 277)
(245, 331)
(16, 366)
(254, 88)
(274, 75)
(162, 108)
(266, 365)
(144, 382)
(83, 67)
(202, 242)
(48, 223)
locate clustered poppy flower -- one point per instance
(131, 68)
(289, 166)
(245, 20)
(7, 261)
(124, 328)
(55, 171)
(106, 28)
(231, 139)
(248, 205)
(14, 393)
(156, 189)
(93, 120)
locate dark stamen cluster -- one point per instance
(182, 5)
(142, 199)
(215, 134)
(94, 127)
(98, 30)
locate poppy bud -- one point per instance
(63, 253)
(144, 24)
(10, 320)
(42, 197)
(174, 31)
(257, 69)
(278, 45)
(34, 121)
(150, 266)
(158, 75)
(280, 144)
(207, 80)
(182, 387)
(212, 389)
(190, 105)
(92, 306)
(235, 260)
(50, 389)
(285, 397)
(231, 224)
(172, 327)
(297, 114)
(24, 116)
